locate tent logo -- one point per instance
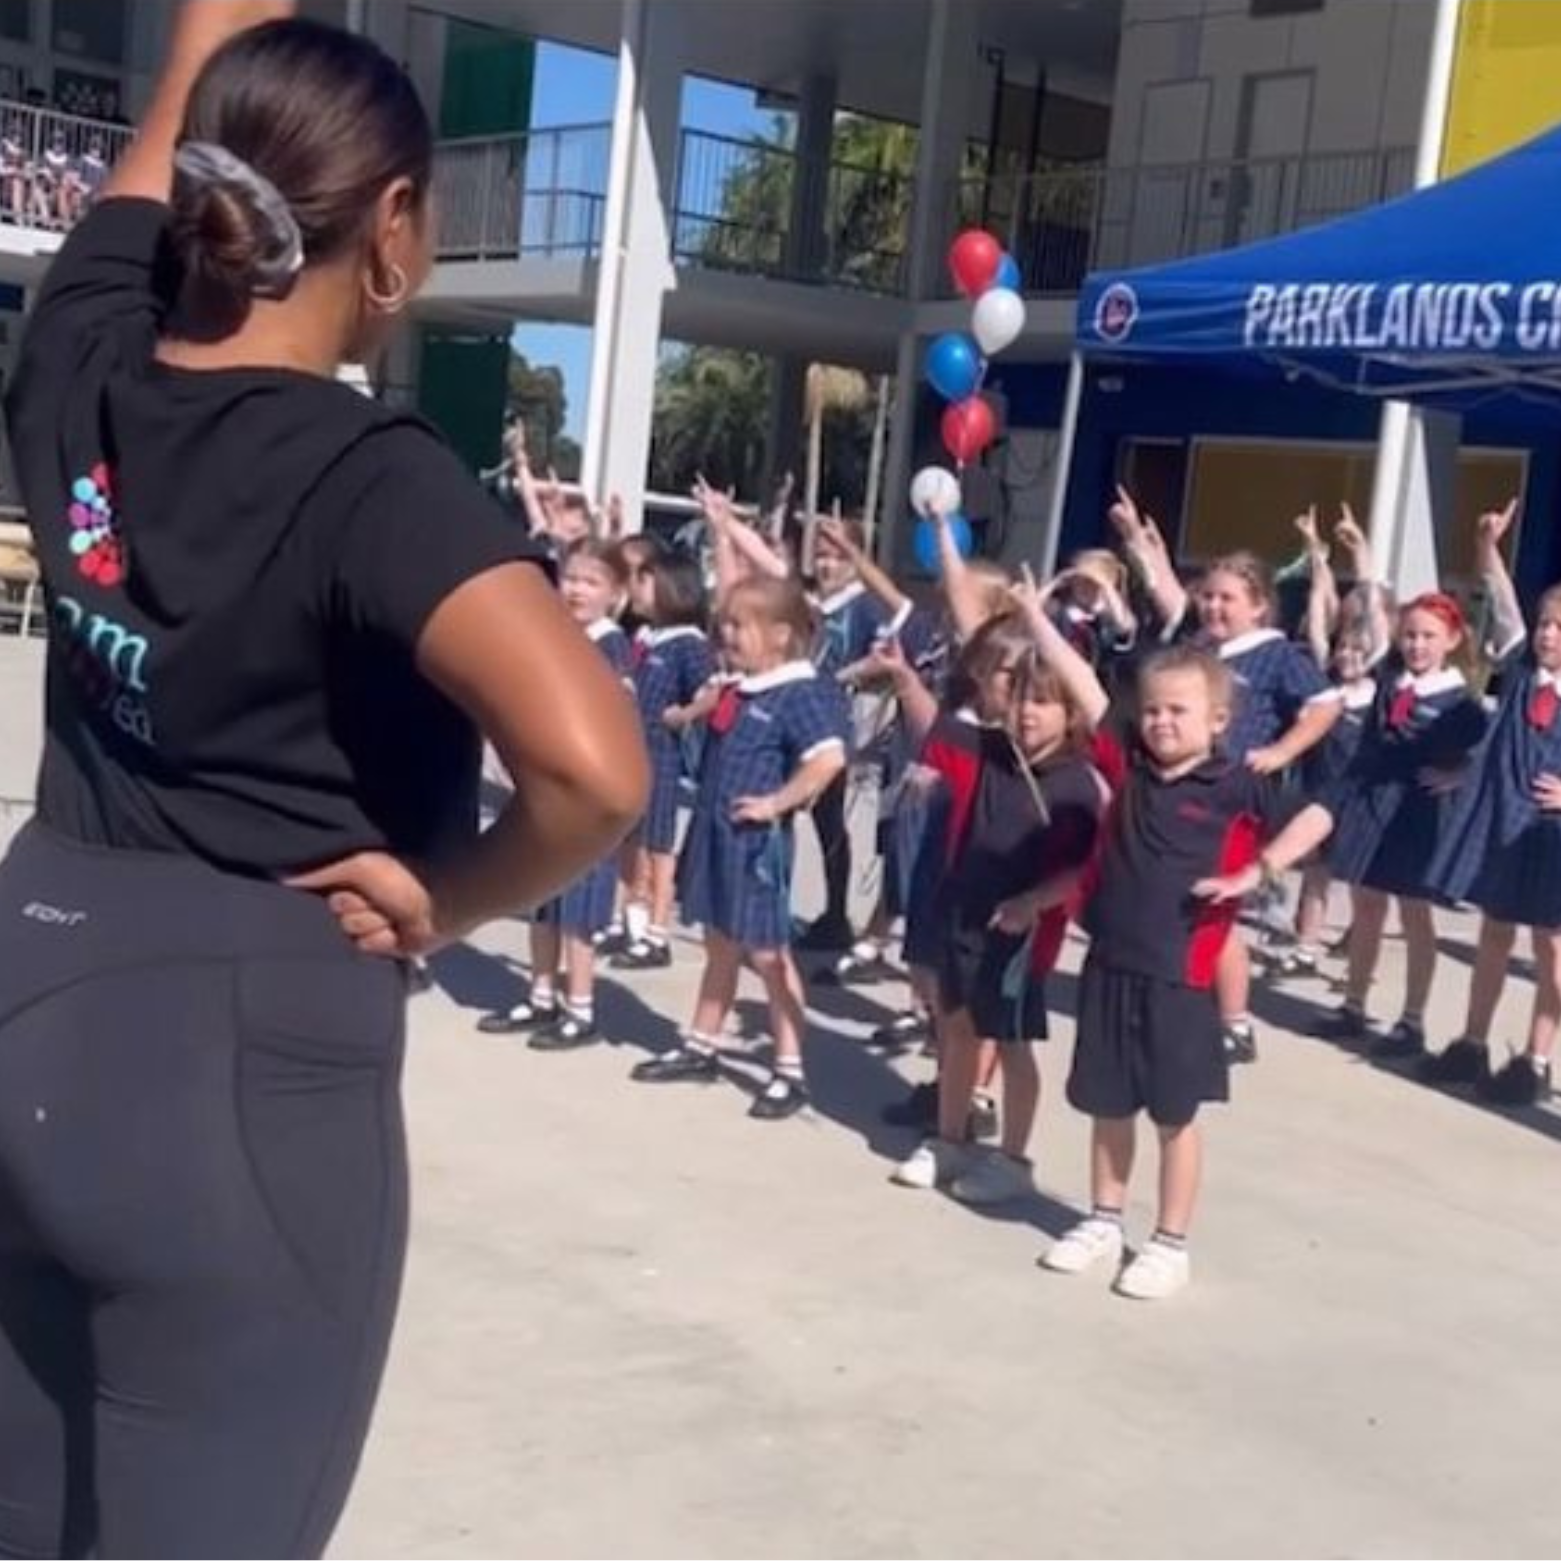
(1116, 313)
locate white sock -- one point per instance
(700, 1043)
(542, 993)
(636, 921)
(584, 1011)
(656, 935)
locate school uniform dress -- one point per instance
(1148, 1024)
(1499, 850)
(1275, 681)
(1326, 764)
(585, 907)
(735, 878)
(670, 666)
(1022, 827)
(1386, 823)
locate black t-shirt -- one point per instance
(239, 564)
(1161, 837)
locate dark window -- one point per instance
(16, 19)
(1285, 7)
(91, 29)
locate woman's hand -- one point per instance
(378, 901)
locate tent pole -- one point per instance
(1395, 448)
(1067, 429)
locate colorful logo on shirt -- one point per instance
(94, 536)
(1117, 313)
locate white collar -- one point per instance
(676, 631)
(776, 677)
(967, 717)
(1543, 679)
(1429, 683)
(1359, 694)
(842, 598)
(602, 628)
(1242, 643)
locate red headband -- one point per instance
(1440, 605)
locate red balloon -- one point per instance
(974, 260)
(968, 428)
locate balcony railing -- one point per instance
(540, 194)
(544, 194)
(1061, 224)
(52, 164)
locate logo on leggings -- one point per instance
(52, 915)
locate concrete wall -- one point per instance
(1185, 62)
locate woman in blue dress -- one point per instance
(1501, 849)
(777, 740)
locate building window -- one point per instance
(16, 20)
(91, 29)
(1285, 7)
(93, 97)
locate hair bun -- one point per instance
(231, 227)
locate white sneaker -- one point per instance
(933, 1162)
(1091, 1241)
(993, 1178)
(1157, 1272)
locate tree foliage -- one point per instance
(711, 414)
(536, 395)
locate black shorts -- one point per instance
(1146, 1045)
(976, 972)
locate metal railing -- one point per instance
(540, 194)
(1063, 223)
(53, 164)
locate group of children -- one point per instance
(47, 185)
(1112, 749)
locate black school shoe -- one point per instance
(901, 1031)
(523, 1016)
(644, 956)
(1521, 1082)
(780, 1098)
(681, 1065)
(1403, 1040)
(1464, 1062)
(567, 1033)
(1346, 1025)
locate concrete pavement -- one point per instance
(637, 1323)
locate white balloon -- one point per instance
(997, 320)
(935, 488)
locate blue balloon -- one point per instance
(1008, 274)
(924, 542)
(954, 366)
(84, 490)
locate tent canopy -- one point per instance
(1449, 296)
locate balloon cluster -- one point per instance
(956, 368)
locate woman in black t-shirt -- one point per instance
(280, 615)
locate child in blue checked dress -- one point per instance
(592, 587)
(1390, 808)
(672, 663)
(777, 740)
(1501, 848)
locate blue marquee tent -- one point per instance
(1450, 296)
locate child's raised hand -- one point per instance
(1347, 532)
(1126, 518)
(1306, 524)
(1493, 525)
(832, 529)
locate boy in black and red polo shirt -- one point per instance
(1181, 842)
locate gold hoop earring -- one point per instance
(394, 300)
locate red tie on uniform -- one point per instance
(1402, 709)
(1543, 704)
(638, 652)
(724, 716)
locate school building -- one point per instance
(1084, 133)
